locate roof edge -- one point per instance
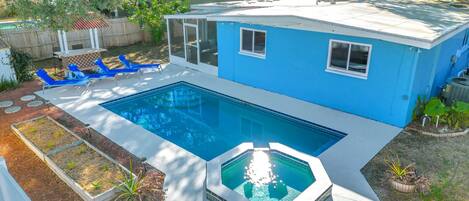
(296, 22)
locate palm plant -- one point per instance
(398, 171)
(129, 189)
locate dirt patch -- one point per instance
(89, 169)
(45, 134)
(443, 160)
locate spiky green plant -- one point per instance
(396, 168)
(129, 189)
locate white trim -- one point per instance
(202, 67)
(185, 16)
(248, 53)
(96, 39)
(339, 70)
(92, 39)
(169, 36)
(299, 23)
(64, 38)
(61, 43)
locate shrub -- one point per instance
(398, 171)
(22, 63)
(6, 84)
(458, 115)
(129, 190)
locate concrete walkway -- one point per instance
(185, 172)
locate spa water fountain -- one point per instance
(277, 173)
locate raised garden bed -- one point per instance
(88, 171)
(430, 130)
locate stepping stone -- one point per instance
(35, 103)
(28, 98)
(12, 109)
(6, 103)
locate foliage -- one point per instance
(397, 170)
(458, 115)
(435, 108)
(55, 15)
(6, 84)
(71, 165)
(106, 6)
(419, 108)
(129, 189)
(150, 14)
(96, 185)
(22, 63)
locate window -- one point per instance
(252, 42)
(349, 58)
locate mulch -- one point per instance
(37, 180)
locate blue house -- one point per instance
(370, 58)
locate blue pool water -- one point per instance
(286, 179)
(208, 124)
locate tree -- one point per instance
(150, 13)
(59, 14)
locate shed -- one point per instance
(6, 69)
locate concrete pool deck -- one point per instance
(185, 172)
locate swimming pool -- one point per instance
(208, 124)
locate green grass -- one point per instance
(443, 160)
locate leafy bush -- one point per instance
(6, 84)
(458, 115)
(150, 14)
(419, 108)
(22, 63)
(435, 108)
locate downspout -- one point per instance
(408, 95)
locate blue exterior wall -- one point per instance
(295, 66)
(435, 66)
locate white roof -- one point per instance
(416, 23)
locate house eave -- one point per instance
(294, 22)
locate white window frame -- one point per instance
(346, 72)
(248, 53)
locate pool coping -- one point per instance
(317, 190)
(185, 172)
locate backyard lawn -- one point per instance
(140, 53)
(444, 161)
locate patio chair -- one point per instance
(48, 81)
(76, 74)
(131, 65)
(106, 70)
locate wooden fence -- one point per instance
(41, 44)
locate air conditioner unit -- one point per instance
(457, 90)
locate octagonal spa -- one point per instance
(266, 174)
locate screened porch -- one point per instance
(193, 42)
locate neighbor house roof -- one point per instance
(417, 23)
(90, 22)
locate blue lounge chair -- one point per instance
(76, 73)
(106, 70)
(130, 65)
(48, 81)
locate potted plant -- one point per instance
(403, 178)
